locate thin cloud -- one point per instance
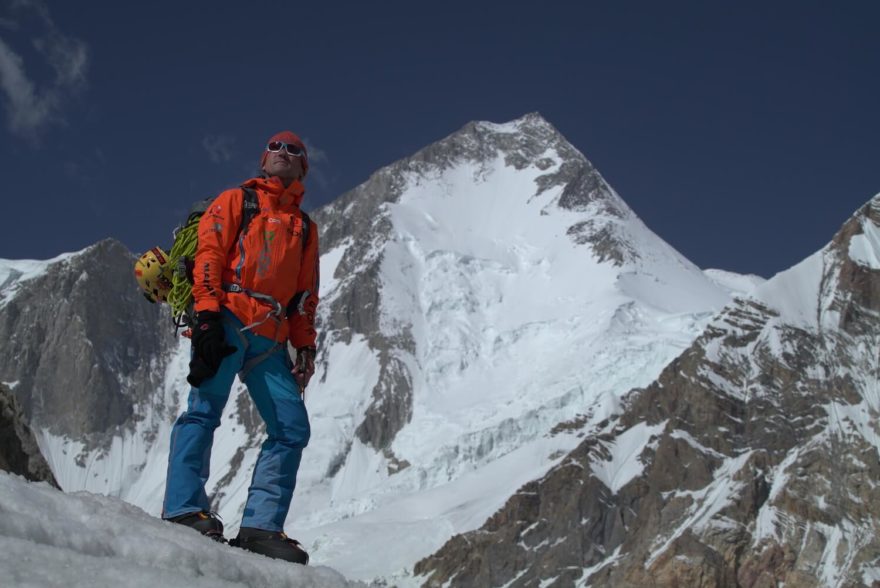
(319, 165)
(316, 154)
(220, 148)
(32, 106)
(26, 110)
(68, 57)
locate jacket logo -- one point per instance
(264, 261)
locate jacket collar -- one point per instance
(274, 188)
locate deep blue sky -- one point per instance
(743, 133)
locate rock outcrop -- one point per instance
(19, 452)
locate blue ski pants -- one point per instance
(280, 404)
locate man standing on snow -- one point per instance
(255, 288)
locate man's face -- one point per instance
(284, 165)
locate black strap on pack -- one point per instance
(307, 227)
(296, 303)
(250, 206)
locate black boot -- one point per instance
(206, 523)
(273, 544)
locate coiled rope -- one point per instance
(184, 248)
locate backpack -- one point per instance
(183, 252)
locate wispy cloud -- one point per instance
(26, 110)
(220, 147)
(319, 165)
(316, 154)
(33, 105)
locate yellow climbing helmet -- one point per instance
(153, 273)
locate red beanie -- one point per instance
(292, 139)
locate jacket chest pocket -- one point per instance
(277, 239)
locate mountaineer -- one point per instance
(254, 288)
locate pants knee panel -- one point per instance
(293, 436)
(207, 421)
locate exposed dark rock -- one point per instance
(19, 452)
(391, 407)
(395, 464)
(83, 344)
(607, 244)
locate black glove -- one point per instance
(209, 347)
(199, 372)
(304, 366)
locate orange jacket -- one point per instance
(269, 258)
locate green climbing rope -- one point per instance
(185, 241)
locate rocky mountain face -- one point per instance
(751, 461)
(19, 453)
(81, 343)
(360, 222)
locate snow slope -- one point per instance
(736, 284)
(49, 538)
(13, 272)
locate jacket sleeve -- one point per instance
(302, 308)
(217, 230)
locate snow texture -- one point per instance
(625, 463)
(735, 284)
(14, 272)
(863, 248)
(48, 538)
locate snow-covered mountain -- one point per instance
(751, 461)
(474, 296)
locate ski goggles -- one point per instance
(276, 146)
